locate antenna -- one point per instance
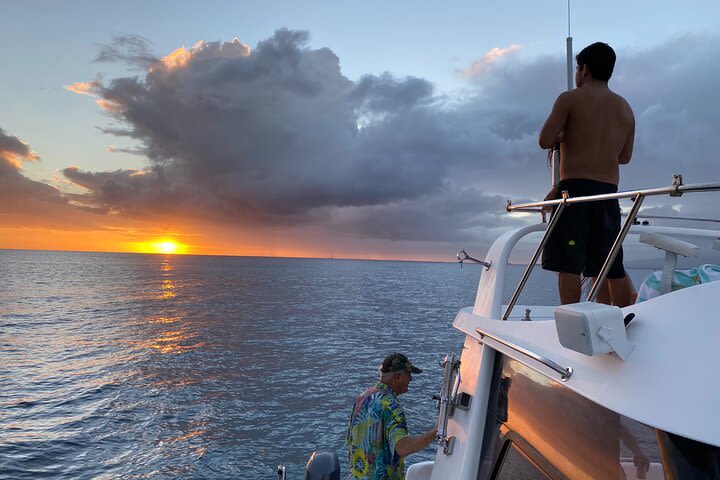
(568, 18)
(555, 158)
(569, 49)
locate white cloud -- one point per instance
(83, 88)
(491, 57)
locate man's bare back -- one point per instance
(596, 128)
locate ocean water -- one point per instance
(153, 366)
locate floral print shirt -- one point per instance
(376, 424)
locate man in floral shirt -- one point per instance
(377, 436)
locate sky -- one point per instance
(385, 130)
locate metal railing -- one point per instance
(676, 189)
(536, 255)
(564, 372)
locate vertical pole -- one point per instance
(570, 76)
(569, 51)
(570, 83)
(538, 251)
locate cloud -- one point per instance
(270, 135)
(464, 214)
(83, 88)
(135, 50)
(481, 66)
(180, 57)
(277, 137)
(676, 116)
(131, 151)
(13, 152)
(23, 201)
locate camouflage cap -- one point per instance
(397, 362)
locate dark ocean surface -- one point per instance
(152, 366)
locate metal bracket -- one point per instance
(448, 444)
(676, 184)
(462, 256)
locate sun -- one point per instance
(167, 247)
(164, 246)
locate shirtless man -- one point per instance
(595, 128)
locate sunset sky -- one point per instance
(325, 129)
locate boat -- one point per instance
(587, 390)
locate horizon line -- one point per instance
(228, 255)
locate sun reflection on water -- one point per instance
(168, 285)
(171, 333)
(162, 319)
(172, 342)
(184, 437)
(168, 289)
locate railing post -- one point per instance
(531, 265)
(616, 247)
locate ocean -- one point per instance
(161, 366)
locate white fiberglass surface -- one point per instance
(668, 382)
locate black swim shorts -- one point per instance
(585, 232)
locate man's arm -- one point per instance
(555, 123)
(409, 445)
(627, 150)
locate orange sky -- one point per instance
(211, 242)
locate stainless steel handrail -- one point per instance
(666, 217)
(538, 251)
(564, 372)
(675, 190)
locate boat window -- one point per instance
(568, 432)
(516, 464)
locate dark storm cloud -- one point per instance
(386, 94)
(673, 91)
(279, 135)
(463, 214)
(269, 134)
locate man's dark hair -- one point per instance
(600, 60)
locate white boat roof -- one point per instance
(668, 382)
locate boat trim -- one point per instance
(673, 191)
(564, 372)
